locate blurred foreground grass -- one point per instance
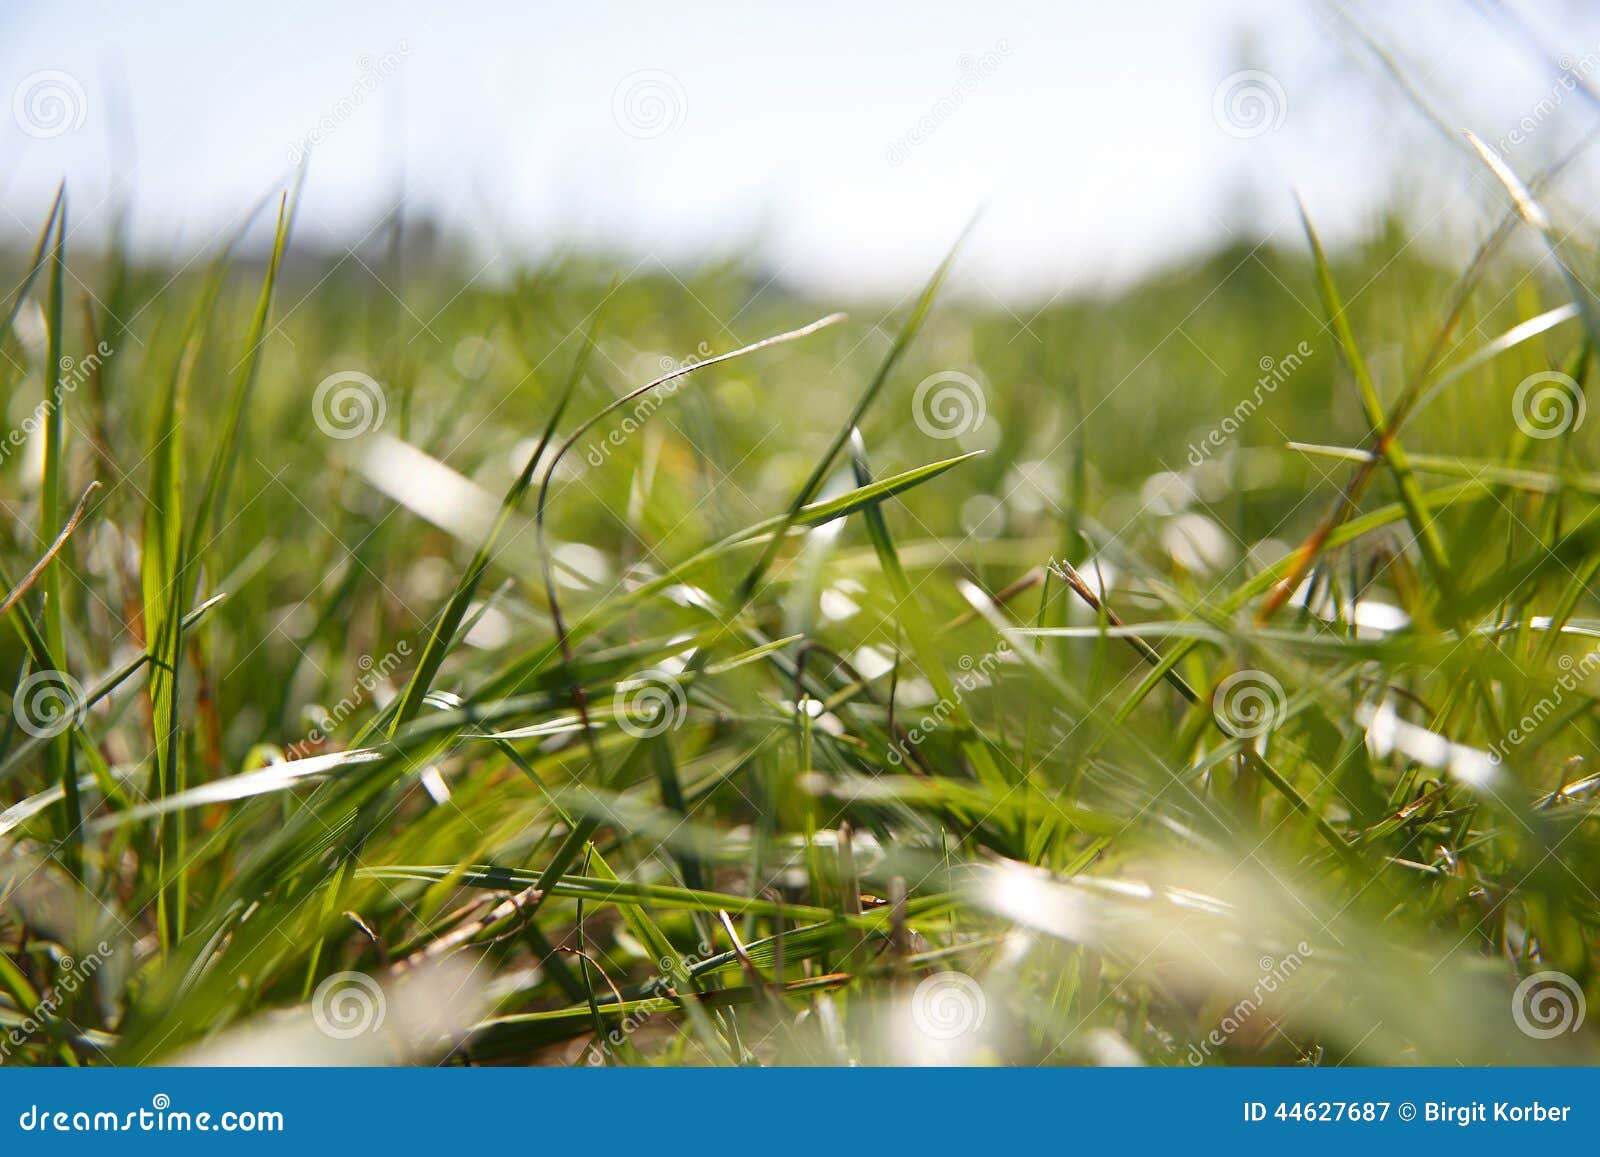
(943, 685)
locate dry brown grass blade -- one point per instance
(38, 568)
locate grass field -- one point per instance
(1200, 674)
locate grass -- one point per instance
(559, 671)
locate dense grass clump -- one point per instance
(446, 671)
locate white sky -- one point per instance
(1091, 144)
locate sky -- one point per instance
(840, 146)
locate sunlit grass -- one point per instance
(500, 674)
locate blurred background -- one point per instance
(835, 149)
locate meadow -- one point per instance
(596, 665)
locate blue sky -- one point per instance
(842, 145)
